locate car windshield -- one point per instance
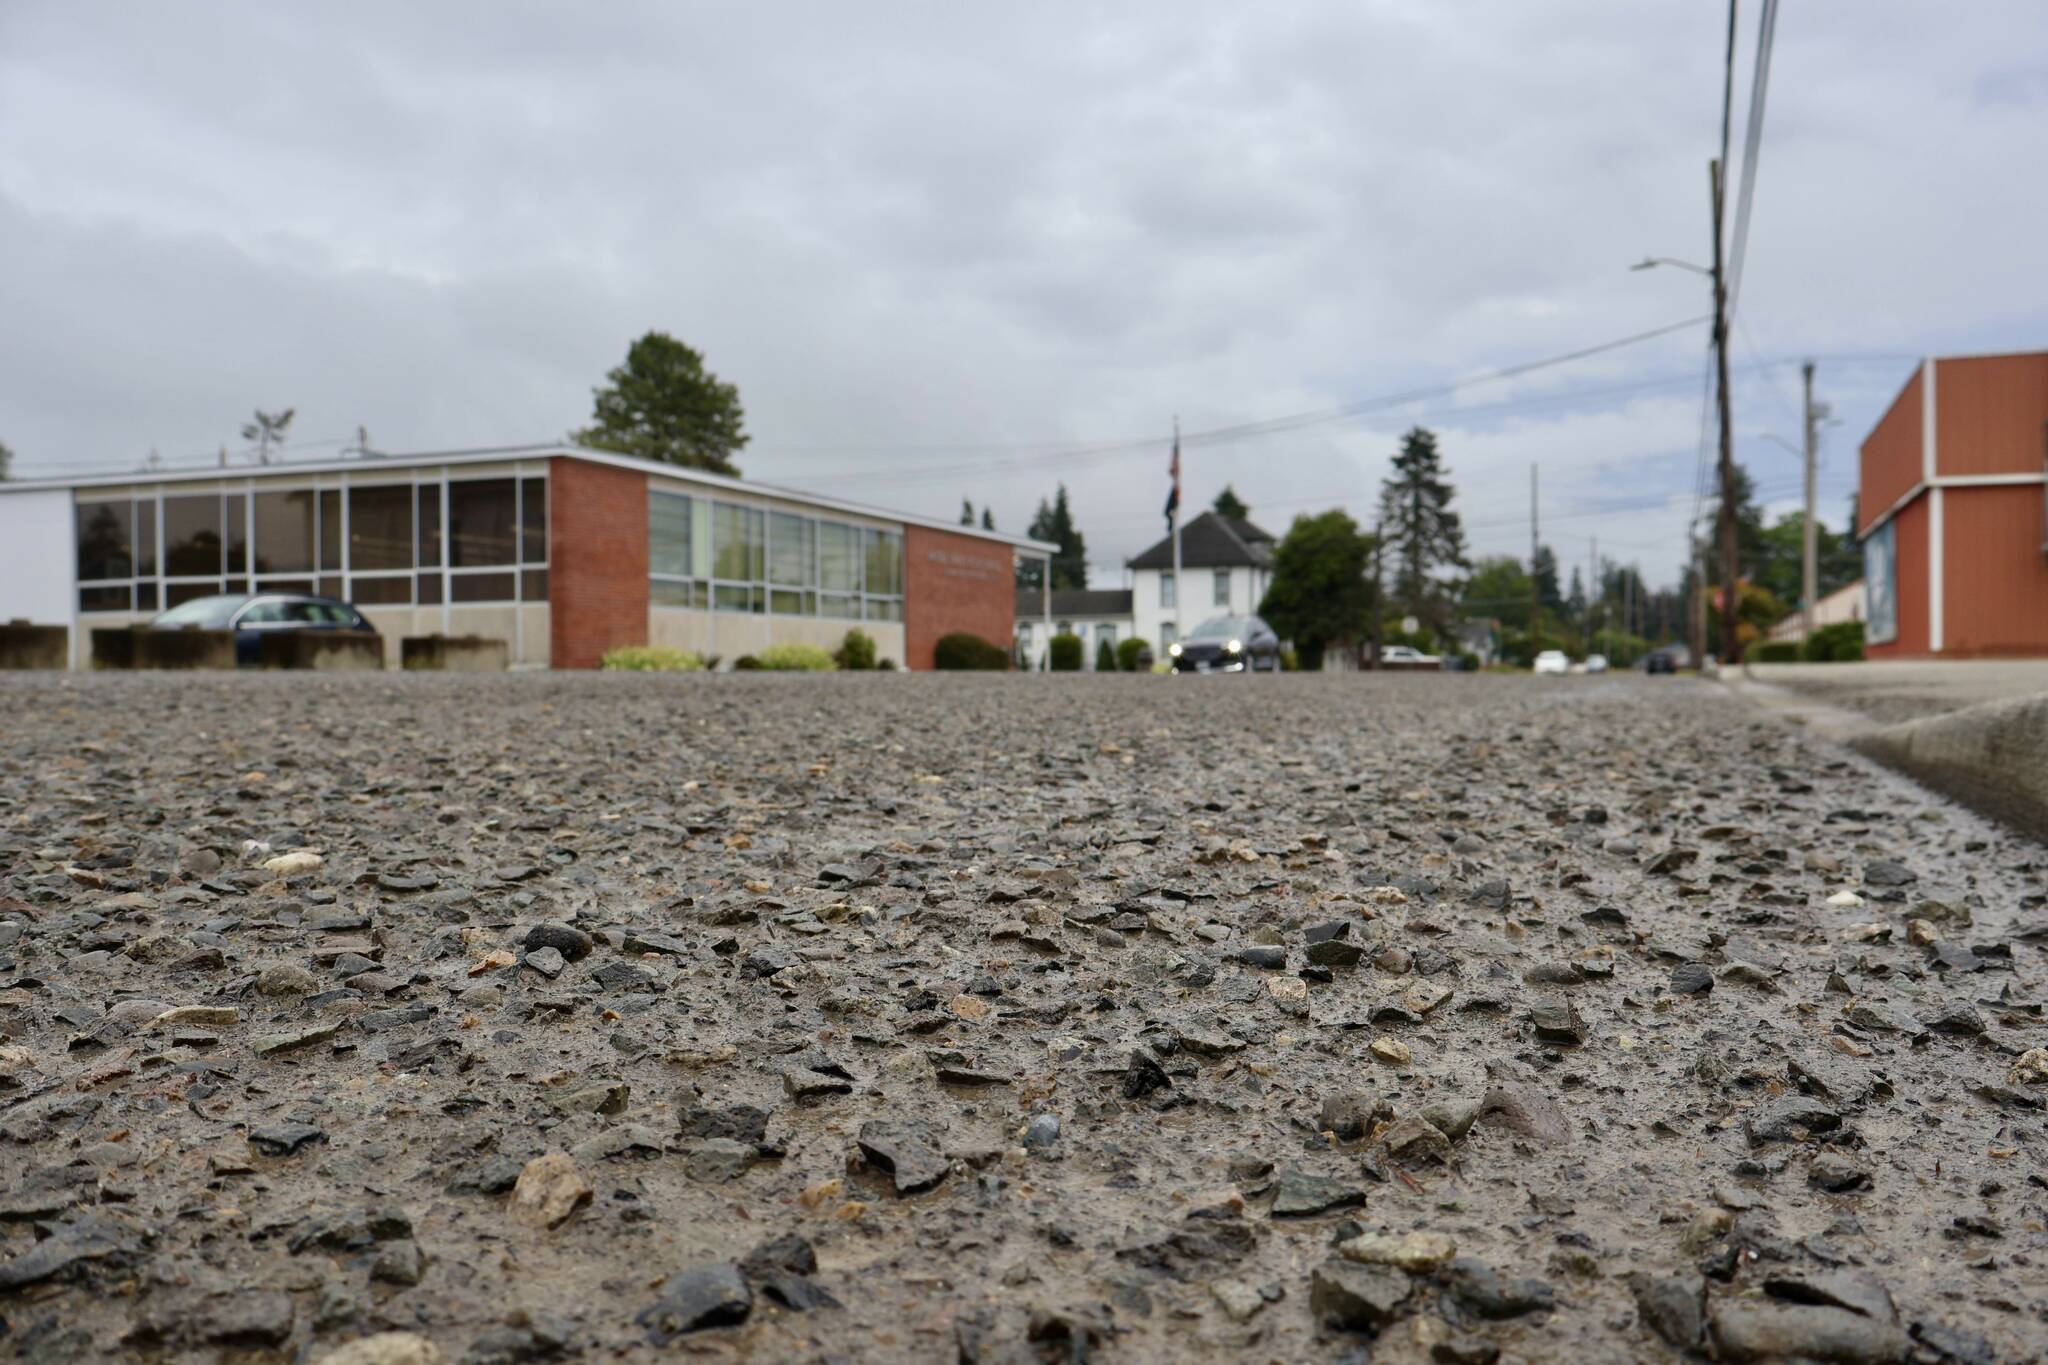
(202, 611)
(1222, 628)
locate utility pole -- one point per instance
(1809, 552)
(1535, 593)
(1731, 646)
(1596, 599)
(1379, 606)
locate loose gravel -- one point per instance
(389, 1020)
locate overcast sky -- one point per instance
(945, 249)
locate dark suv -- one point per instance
(253, 615)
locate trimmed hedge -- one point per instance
(650, 659)
(1066, 653)
(1838, 643)
(1105, 656)
(796, 658)
(1776, 652)
(1127, 652)
(856, 653)
(964, 650)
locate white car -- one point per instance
(1406, 654)
(1596, 663)
(1553, 661)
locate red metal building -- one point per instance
(1953, 512)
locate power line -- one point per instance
(1759, 87)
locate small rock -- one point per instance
(1888, 872)
(288, 978)
(1418, 1253)
(547, 961)
(294, 864)
(704, 1296)
(717, 1160)
(1263, 955)
(1350, 1114)
(1240, 1302)
(1415, 1139)
(1476, 1288)
(1522, 1108)
(1042, 1132)
(385, 1348)
(907, 1151)
(1357, 1298)
(1556, 1021)
(284, 1139)
(1746, 1329)
(549, 1192)
(400, 1263)
(1691, 978)
(1675, 1308)
(2031, 1068)
(1392, 1051)
(1836, 1173)
(1789, 1118)
(1299, 1194)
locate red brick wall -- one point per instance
(597, 560)
(954, 582)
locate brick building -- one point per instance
(563, 553)
(1953, 512)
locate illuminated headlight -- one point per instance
(1232, 648)
(1174, 650)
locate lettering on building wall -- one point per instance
(976, 568)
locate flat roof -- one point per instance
(499, 454)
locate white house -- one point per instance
(1094, 614)
(1226, 565)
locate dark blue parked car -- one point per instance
(251, 615)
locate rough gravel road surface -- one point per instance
(402, 1019)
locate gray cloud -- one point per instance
(962, 236)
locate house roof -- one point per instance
(1068, 603)
(382, 462)
(1212, 541)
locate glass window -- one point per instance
(725, 597)
(145, 537)
(533, 585)
(1223, 587)
(665, 592)
(668, 534)
(105, 544)
(287, 585)
(104, 598)
(1166, 590)
(843, 605)
(145, 595)
(736, 540)
(380, 592)
(430, 525)
(838, 557)
(482, 520)
(533, 521)
(236, 506)
(482, 587)
(1107, 634)
(284, 531)
(429, 589)
(1166, 635)
(332, 587)
(330, 530)
(380, 527)
(789, 549)
(192, 536)
(266, 614)
(884, 562)
(885, 609)
(177, 594)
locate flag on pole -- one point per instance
(1173, 493)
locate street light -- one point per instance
(1652, 262)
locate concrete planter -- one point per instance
(125, 648)
(454, 654)
(41, 648)
(321, 651)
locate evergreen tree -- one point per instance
(1575, 602)
(988, 519)
(1423, 532)
(663, 404)
(6, 463)
(1054, 522)
(1547, 590)
(966, 512)
(1229, 504)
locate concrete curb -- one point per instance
(1992, 757)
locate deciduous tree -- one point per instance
(1321, 595)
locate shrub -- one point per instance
(1838, 643)
(1105, 657)
(966, 650)
(650, 659)
(1776, 652)
(1290, 662)
(856, 653)
(885, 664)
(1065, 653)
(1127, 652)
(793, 658)
(746, 663)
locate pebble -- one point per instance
(1418, 1253)
(549, 1192)
(384, 1348)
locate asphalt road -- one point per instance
(1002, 1018)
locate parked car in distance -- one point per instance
(1227, 644)
(1553, 661)
(1406, 654)
(1660, 661)
(252, 615)
(1596, 663)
